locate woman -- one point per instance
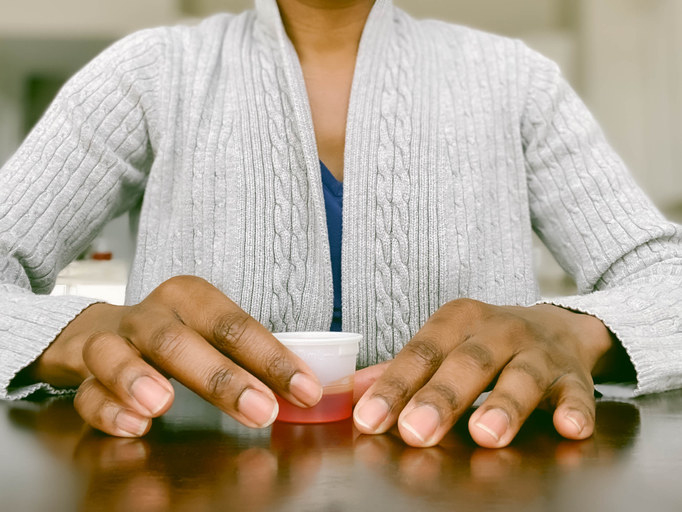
(452, 146)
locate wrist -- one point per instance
(604, 353)
(596, 339)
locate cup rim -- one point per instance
(318, 338)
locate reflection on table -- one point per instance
(197, 459)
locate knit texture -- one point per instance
(459, 144)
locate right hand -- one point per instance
(122, 356)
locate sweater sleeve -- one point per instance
(625, 257)
(84, 163)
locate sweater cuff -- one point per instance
(643, 318)
(28, 324)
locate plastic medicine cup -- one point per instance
(331, 356)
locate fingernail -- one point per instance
(371, 414)
(150, 394)
(305, 388)
(131, 424)
(257, 407)
(495, 422)
(577, 419)
(422, 423)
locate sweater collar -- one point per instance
(376, 36)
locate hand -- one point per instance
(185, 329)
(538, 356)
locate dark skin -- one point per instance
(122, 356)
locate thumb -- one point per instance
(366, 377)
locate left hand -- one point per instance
(541, 355)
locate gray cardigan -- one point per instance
(459, 144)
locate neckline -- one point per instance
(376, 36)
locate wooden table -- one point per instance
(197, 459)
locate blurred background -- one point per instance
(624, 57)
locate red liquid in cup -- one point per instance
(333, 406)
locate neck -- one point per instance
(320, 29)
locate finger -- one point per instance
(119, 367)
(461, 378)
(517, 393)
(366, 377)
(182, 353)
(573, 399)
(102, 410)
(237, 335)
(379, 407)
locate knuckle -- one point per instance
(523, 330)
(443, 394)
(277, 366)
(92, 405)
(166, 343)
(218, 382)
(559, 365)
(428, 351)
(551, 360)
(511, 404)
(538, 377)
(175, 287)
(104, 417)
(576, 383)
(83, 395)
(518, 328)
(121, 376)
(95, 343)
(229, 330)
(464, 307)
(132, 322)
(585, 404)
(395, 391)
(181, 283)
(478, 357)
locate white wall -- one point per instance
(205, 7)
(82, 18)
(504, 16)
(10, 110)
(632, 65)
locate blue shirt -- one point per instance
(333, 204)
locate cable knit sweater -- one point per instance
(459, 144)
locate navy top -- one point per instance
(333, 204)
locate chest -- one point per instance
(435, 204)
(328, 89)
